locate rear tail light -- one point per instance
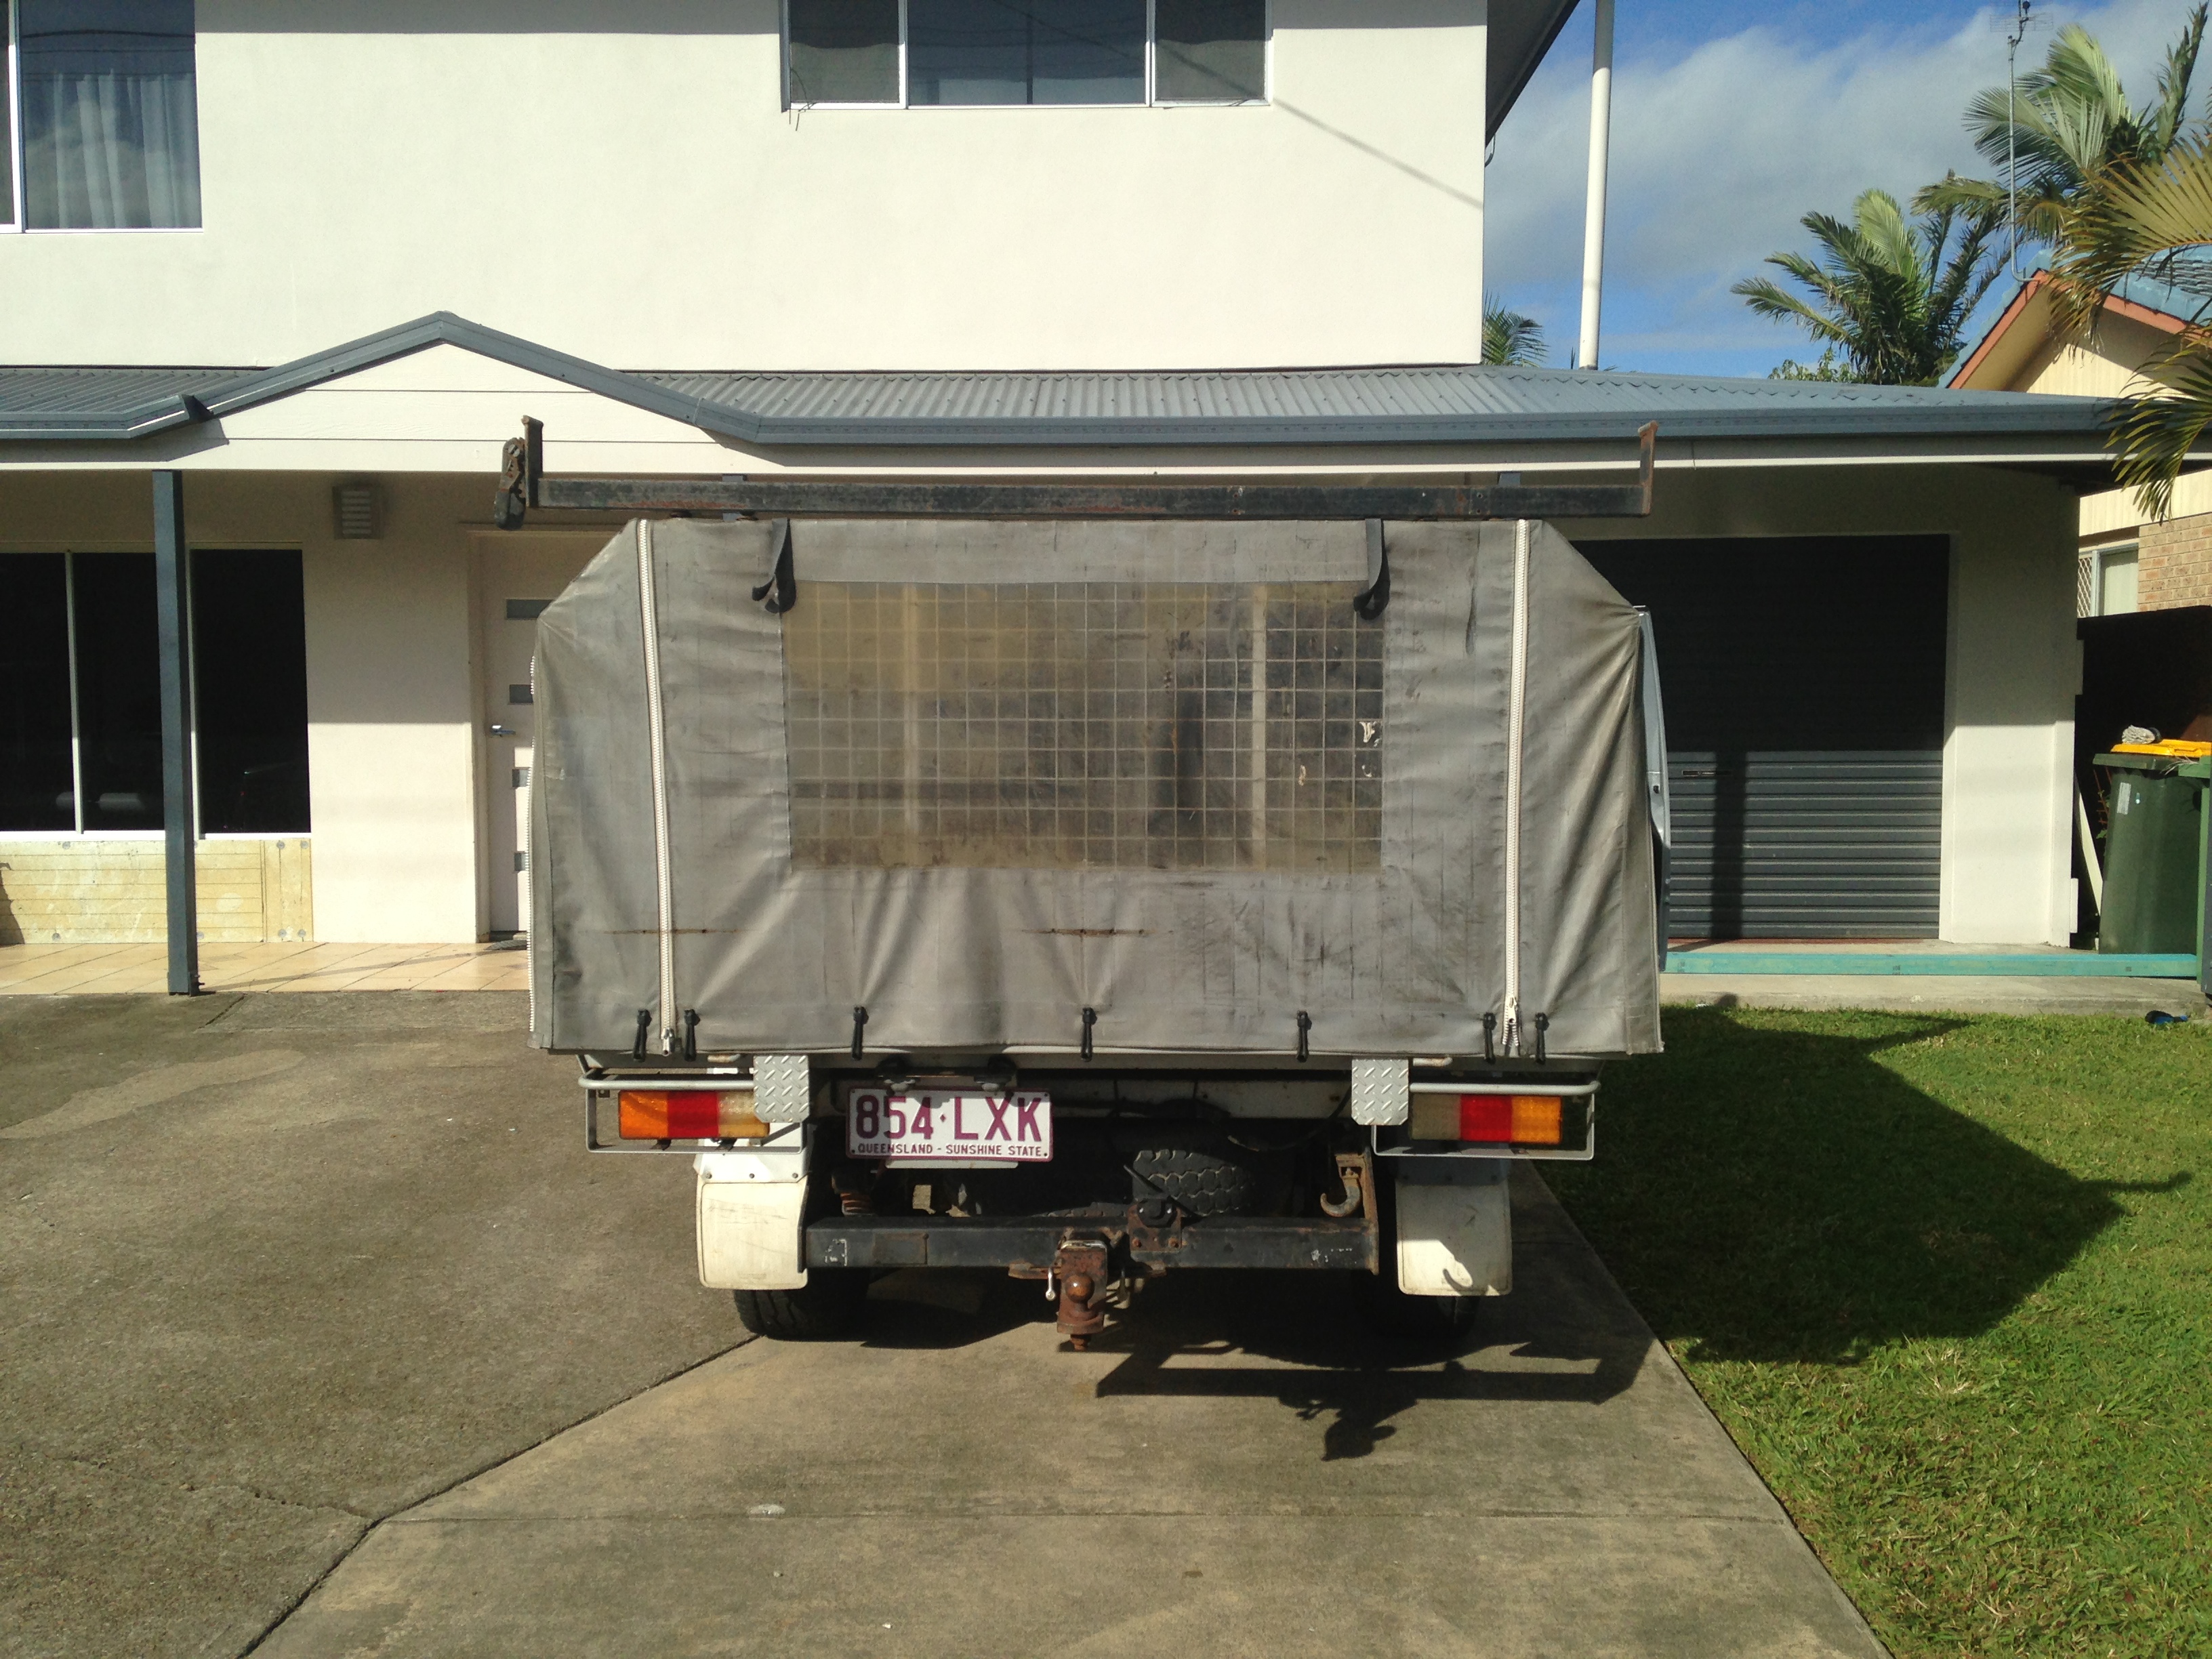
(1491, 1120)
(689, 1115)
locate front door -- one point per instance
(518, 576)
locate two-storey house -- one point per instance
(323, 260)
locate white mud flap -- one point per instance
(1454, 1227)
(751, 1210)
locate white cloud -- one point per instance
(1718, 152)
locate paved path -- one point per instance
(1948, 993)
(1233, 1471)
(139, 970)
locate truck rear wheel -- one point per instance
(826, 1307)
(1389, 1311)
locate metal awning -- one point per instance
(1449, 404)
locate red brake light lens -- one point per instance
(1498, 1119)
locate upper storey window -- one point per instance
(904, 53)
(103, 116)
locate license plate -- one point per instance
(950, 1126)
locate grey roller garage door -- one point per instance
(1803, 679)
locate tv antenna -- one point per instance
(2018, 33)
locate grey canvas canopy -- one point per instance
(978, 778)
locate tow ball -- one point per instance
(1080, 1272)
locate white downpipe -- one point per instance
(1593, 206)
(1516, 696)
(648, 603)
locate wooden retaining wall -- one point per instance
(93, 891)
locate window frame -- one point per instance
(2089, 581)
(21, 225)
(14, 101)
(1151, 98)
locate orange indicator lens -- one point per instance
(689, 1115)
(1536, 1120)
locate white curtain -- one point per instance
(111, 129)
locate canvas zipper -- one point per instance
(657, 745)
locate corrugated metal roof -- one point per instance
(69, 397)
(1446, 404)
(1454, 400)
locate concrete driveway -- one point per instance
(272, 1268)
(275, 1274)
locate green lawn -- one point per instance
(1948, 1280)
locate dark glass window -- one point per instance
(1210, 51)
(1025, 51)
(35, 786)
(118, 691)
(250, 673)
(111, 114)
(844, 51)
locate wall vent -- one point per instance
(355, 508)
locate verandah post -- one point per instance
(171, 597)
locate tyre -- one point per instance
(1389, 1311)
(826, 1307)
(1204, 1172)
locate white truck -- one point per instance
(1091, 898)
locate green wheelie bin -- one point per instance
(2154, 853)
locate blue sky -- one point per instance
(1731, 120)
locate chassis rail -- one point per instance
(1028, 1246)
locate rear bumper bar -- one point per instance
(1028, 1245)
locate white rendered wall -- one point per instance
(622, 182)
(2014, 665)
(392, 743)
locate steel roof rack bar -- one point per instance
(524, 486)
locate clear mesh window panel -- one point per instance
(1155, 725)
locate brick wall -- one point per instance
(90, 891)
(2174, 565)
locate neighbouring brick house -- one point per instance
(2128, 563)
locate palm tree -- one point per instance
(1509, 337)
(1891, 296)
(2063, 126)
(2154, 219)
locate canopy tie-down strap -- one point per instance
(780, 591)
(1370, 603)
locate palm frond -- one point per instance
(1952, 194)
(2134, 217)
(2161, 122)
(1768, 300)
(1510, 338)
(1880, 225)
(2155, 436)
